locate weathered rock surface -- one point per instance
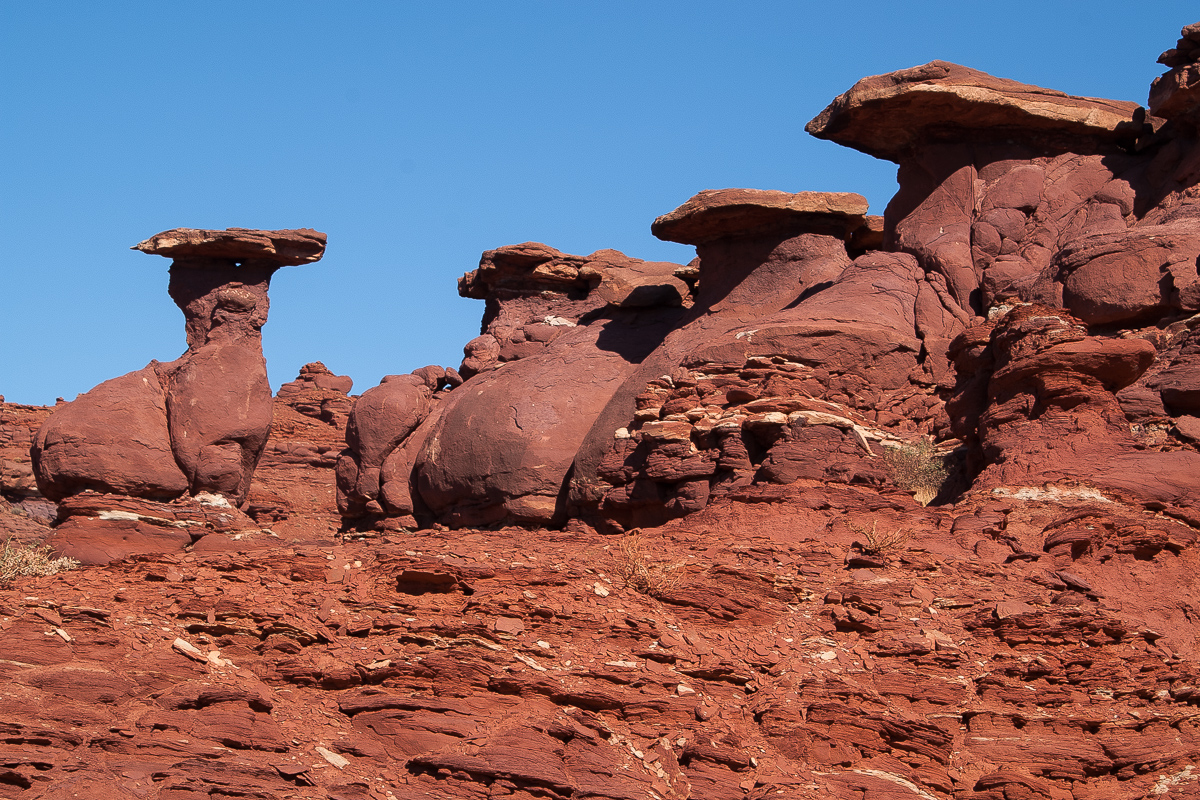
(534, 293)
(713, 215)
(199, 424)
(283, 248)
(379, 423)
(112, 439)
(1176, 95)
(294, 485)
(319, 393)
(18, 428)
(887, 116)
(903, 510)
(1004, 647)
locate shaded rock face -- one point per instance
(197, 424)
(1051, 412)
(800, 393)
(535, 293)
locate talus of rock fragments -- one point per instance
(198, 424)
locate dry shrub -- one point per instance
(917, 468)
(884, 545)
(643, 574)
(30, 560)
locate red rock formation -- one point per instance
(379, 423)
(502, 449)
(1176, 95)
(826, 615)
(534, 293)
(994, 175)
(197, 425)
(790, 245)
(318, 393)
(23, 512)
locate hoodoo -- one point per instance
(195, 426)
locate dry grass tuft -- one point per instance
(643, 574)
(918, 468)
(27, 561)
(884, 545)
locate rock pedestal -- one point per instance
(993, 173)
(758, 253)
(197, 424)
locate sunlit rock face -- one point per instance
(198, 424)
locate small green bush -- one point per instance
(918, 468)
(24, 561)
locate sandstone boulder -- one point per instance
(1130, 275)
(506, 440)
(382, 418)
(112, 439)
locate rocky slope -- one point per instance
(847, 507)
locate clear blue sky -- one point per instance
(418, 135)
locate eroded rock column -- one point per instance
(193, 426)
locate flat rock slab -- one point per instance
(888, 115)
(283, 248)
(723, 213)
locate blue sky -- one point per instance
(418, 135)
